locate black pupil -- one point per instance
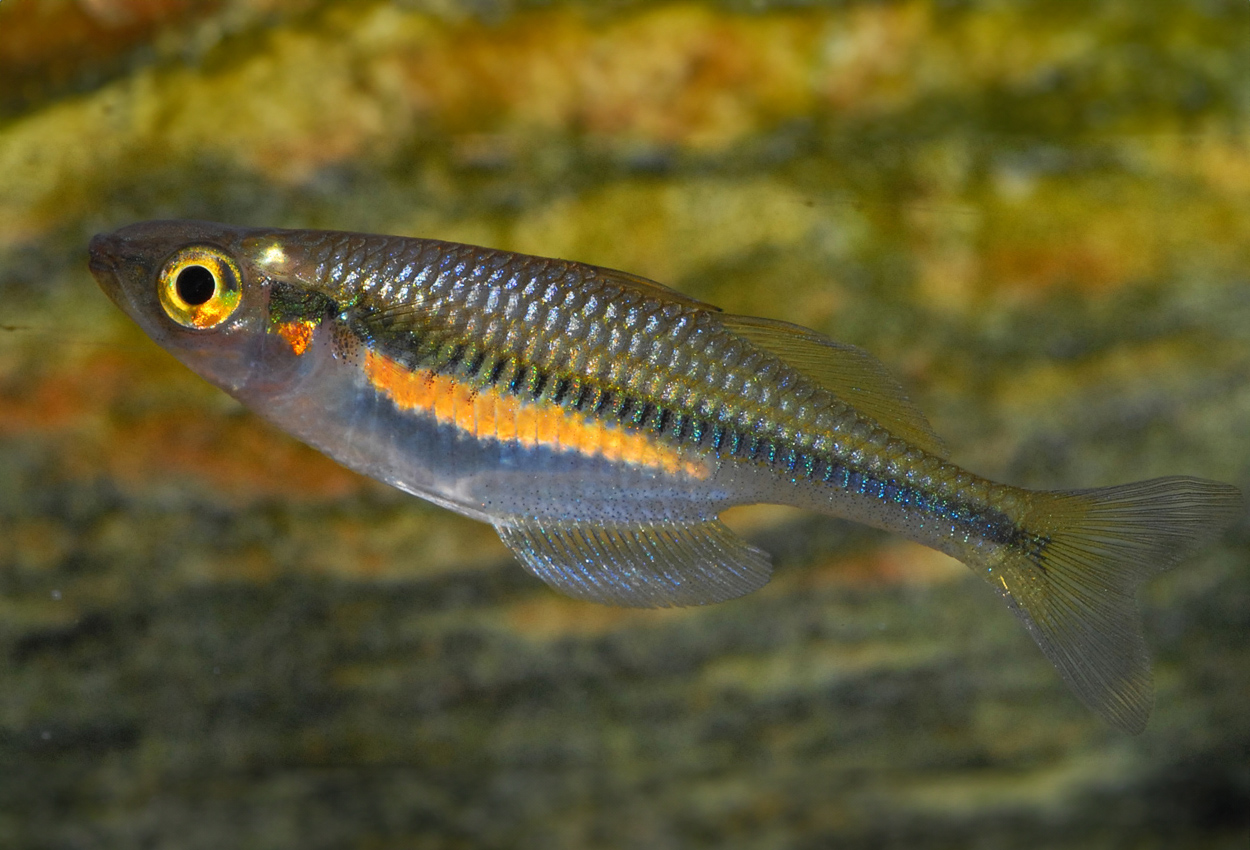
(195, 285)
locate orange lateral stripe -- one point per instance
(610, 443)
(488, 414)
(527, 424)
(484, 408)
(505, 419)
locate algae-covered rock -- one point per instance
(1038, 214)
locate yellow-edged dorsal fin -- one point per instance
(849, 372)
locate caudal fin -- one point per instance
(1075, 592)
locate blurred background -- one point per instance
(1037, 213)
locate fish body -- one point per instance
(601, 422)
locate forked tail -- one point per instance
(1074, 590)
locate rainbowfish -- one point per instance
(601, 422)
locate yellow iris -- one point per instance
(200, 287)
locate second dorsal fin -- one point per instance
(849, 372)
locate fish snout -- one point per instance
(102, 253)
(106, 261)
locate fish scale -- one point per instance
(644, 337)
(652, 336)
(601, 422)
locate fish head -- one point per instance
(196, 289)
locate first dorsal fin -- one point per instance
(649, 287)
(849, 372)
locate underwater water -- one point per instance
(1038, 214)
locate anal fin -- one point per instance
(640, 565)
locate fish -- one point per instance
(601, 422)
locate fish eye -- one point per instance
(195, 285)
(200, 287)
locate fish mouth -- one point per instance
(103, 260)
(101, 254)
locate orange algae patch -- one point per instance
(551, 617)
(488, 414)
(298, 335)
(100, 417)
(50, 44)
(678, 75)
(889, 564)
(234, 456)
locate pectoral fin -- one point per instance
(849, 372)
(643, 565)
